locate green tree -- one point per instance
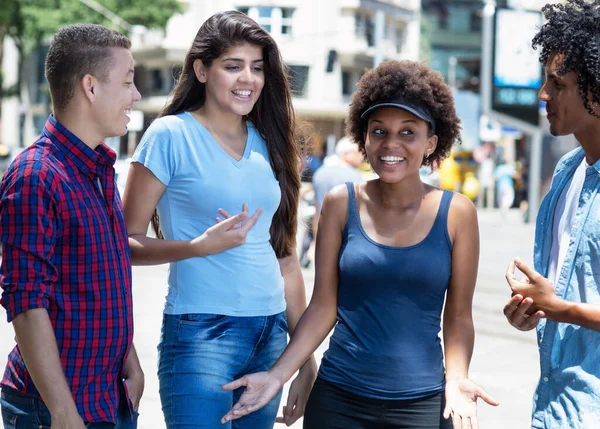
(30, 22)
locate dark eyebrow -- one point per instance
(554, 76)
(239, 60)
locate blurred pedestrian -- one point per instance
(337, 169)
(504, 173)
(388, 253)
(560, 294)
(66, 266)
(224, 141)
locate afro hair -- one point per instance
(573, 30)
(414, 82)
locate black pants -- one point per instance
(330, 407)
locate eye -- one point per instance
(378, 132)
(258, 69)
(128, 83)
(407, 133)
(231, 67)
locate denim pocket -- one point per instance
(201, 327)
(201, 318)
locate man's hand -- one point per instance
(533, 286)
(517, 312)
(133, 378)
(67, 419)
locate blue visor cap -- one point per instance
(419, 110)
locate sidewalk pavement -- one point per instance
(505, 361)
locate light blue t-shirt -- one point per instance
(201, 178)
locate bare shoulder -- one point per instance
(335, 205)
(462, 214)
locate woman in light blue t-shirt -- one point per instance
(224, 142)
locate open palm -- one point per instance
(461, 402)
(261, 387)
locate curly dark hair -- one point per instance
(414, 82)
(573, 30)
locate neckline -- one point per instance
(387, 246)
(248, 145)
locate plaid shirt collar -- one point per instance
(84, 157)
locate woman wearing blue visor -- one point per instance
(389, 252)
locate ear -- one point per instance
(200, 71)
(432, 143)
(88, 85)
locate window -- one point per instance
(275, 20)
(349, 80)
(399, 39)
(298, 76)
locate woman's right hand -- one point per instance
(230, 231)
(261, 387)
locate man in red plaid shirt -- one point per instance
(66, 269)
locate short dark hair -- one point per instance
(414, 82)
(77, 50)
(573, 30)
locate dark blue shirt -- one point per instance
(386, 344)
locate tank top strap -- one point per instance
(353, 217)
(440, 225)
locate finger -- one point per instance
(236, 384)
(252, 221)
(510, 273)
(224, 213)
(512, 304)
(219, 220)
(245, 207)
(296, 414)
(447, 411)
(474, 422)
(520, 312)
(231, 222)
(456, 421)
(526, 269)
(483, 394)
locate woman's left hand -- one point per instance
(298, 393)
(461, 402)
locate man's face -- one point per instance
(564, 105)
(116, 95)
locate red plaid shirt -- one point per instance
(64, 245)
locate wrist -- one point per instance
(309, 367)
(456, 377)
(280, 375)
(199, 247)
(556, 308)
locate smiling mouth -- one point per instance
(244, 94)
(392, 160)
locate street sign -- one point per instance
(517, 72)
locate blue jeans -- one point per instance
(24, 412)
(199, 353)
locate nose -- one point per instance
(136, 94)
(544, 95)
(246, 75)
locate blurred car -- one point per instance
(453, 170)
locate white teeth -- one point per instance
(392, 158)
(243, 93)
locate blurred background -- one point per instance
(483, 50)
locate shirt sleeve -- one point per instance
(156, 150)
(28, 229)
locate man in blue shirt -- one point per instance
(560, 295)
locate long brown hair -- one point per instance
(273, 114)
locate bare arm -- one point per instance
(142, 193)
(459, 334)
(37, 344)
(321, 314)
(316, 322)
(134, 378)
